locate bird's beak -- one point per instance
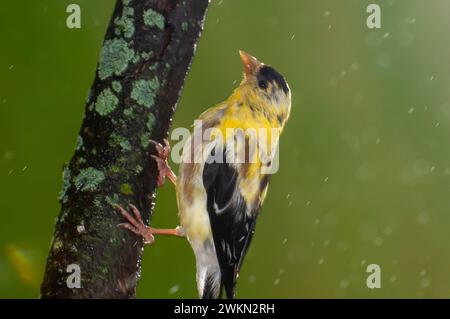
(251, 64)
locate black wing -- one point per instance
(231, 226)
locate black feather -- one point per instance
(231, 226)
(269, 74)
(209, 291)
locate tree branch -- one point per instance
(145, 57)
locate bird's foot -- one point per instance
(136, 225)
(161, 160)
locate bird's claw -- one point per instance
(135, 224)
(161, 161)
(163, 151)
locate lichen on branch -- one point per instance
(143, 63)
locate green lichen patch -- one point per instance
(66, 185)
(144, 92)
(125, 145)
(125, 24)
(136, 58)
(151, 122)
(112, 200)
(79, 144)
(97, 203)
(118, 140)
(128, 112)
(117, 87)
(114, 58)
(106, 102)
(154, 19)
(88, 179)
(57, 244)
(126, 189)
(146, 55)
(114, 169)
(153, 66)
(145, 140)
(184, 26)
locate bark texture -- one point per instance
(145, 57)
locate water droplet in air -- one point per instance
(174, 289)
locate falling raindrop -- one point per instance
(344, 284)
(425, 283)
(174, 289)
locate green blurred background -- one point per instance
(364, 163)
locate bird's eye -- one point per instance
(262, 84)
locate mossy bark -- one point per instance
(147, 52)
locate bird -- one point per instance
(223, 177)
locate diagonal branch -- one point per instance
(145, 57)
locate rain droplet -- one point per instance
(387, 230)
(378, 241)
(344, 283)
(423, 218)
(174, 289)
(425, 283)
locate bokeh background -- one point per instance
(365, 157)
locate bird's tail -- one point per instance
(212, 288)
(208, 271)
(214, 284)
(228, 281)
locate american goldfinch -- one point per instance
(223, 177)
